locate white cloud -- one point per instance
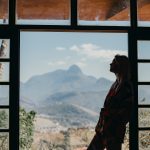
(60, 48)
(57, 63)
(89, 46)
(81, 64)
(92, 51)
(83, 59)
(75, 48)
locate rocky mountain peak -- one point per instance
(74, 69)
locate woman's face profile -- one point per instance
(114, 66)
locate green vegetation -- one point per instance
(4, 144)
(26, 129)
(3, 119)
(72, 138)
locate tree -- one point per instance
(3, 119)
(4, 145)
(26, 129)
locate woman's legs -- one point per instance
(96, 143)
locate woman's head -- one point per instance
(121, 66)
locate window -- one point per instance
(4, 12)
(143, 93)
(125, 17)
(46, 12)
(4, 93)
(104, 12)
(143, 13)
(69, 86)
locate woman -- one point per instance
(111, 127)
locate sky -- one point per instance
(143, 49)
(42, 52)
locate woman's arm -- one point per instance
(120, 105)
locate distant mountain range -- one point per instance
(65, 95)
(64, 86)
(68, 96)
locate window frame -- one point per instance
(144, 36)
(12, 31)
(6, 36)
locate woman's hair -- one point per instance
(124, 64)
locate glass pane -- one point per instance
(4, 140)
(144, 140)
(144, 94)
(68, 87)
(104, 12)
(4, 12)
(4, 95)
(144, 114)
(144, 49)
(143, 73)
(53, 12)
(4, 48)
(143, 12)
(4, 118)
(4, 72)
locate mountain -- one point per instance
(68, 96)
(68, 115)
(65, 95)
(40, 87)
(90, 100)
(74, 69)
(27, 103)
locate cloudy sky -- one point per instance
(43, 52)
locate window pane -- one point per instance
(4, 118)
(4, 72)
(144, 49)
(143, 73)
(144, 140)
(4, 140)
(144, 94)
(104, 12)
(69, 86)
(4, 48)
(144, 114)
(4, 95)
(4, 12)
(51, 12)
(143, 13)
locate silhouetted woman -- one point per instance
(115, 114)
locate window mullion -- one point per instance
(14, 89)
(134, 119)
(12, 12)
(74, 13)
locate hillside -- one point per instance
(68, 96)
